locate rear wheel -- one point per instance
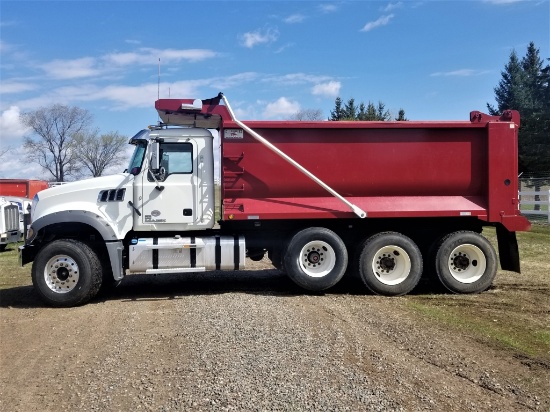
(316, 259)
(466, 262)
(390, 264)
(66, 273)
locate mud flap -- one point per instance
(508, 249)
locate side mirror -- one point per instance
(155, 161)
(135, 171)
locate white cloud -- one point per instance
(71, 69)
(329, 89)
(266, 36)
(282, 107)
(294, 18)
(16, 87)
(297, 78)
(502, 1)
(147, 56)
(392, 6)
(11, 126)
(4, 47)
(123, 97)
(86, 67)
(14, 165)
(382, 21)
(328, 8)
(461, 73)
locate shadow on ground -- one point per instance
(269, 282)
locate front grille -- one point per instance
(11, 218)
(111, 195)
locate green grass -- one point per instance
(514, 314)
(11, 274)
(499, 332)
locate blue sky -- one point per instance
(438, 60)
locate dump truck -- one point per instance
(387, 201)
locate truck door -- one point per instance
(171, 198)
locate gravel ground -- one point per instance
(248, 341)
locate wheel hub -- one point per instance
(61, 274)
(461, 261)
(314, 257)
(386, 263)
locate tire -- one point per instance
(390, 264)
(466, 262)
(3, 247)
(66, 273)
(316, 259)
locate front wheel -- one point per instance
(390, 264)
(466, 262)
(316, 258)
(66, 273)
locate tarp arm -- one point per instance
(358, 211)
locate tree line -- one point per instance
(351, 111)
(66, 145)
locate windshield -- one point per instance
(139, 153)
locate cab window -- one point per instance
(175, 158)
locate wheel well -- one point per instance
(73, 230)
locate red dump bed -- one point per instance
(388, 169)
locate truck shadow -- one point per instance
(268, 282)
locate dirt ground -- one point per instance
(253, 341)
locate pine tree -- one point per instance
(524, 87)
(337, 113)
(350, 110)
(401, 116)
(509, 92)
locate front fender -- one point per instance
(99, 223)
(71, 217)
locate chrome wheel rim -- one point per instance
(61, 274)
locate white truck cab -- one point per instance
(174, 186)
(167, 192)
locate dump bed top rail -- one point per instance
(210, 114)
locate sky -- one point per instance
(437, 60)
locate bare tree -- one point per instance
(96, 153)
(308, 115)
(56, 126)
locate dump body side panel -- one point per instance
(389, 169)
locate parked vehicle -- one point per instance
(24, 206)
(387, 200)
(9, 223)
(25, 188)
